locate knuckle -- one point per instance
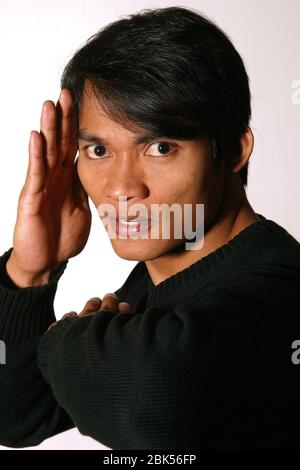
(94, 301)
(51, 149)
(110, 294)
(69, 314)
(85, 313)
(108, 307)
(109, 302)
(111, 298)
(64, 144)
(91, 305)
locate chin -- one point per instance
(143, 250)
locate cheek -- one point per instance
(204, 181)
(184, 185)
(173, 183)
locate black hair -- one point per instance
(170, 71)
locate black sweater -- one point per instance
(203, 362)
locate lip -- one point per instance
(133, 226)
(137, 225)
(130, 218)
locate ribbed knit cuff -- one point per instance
(25, 312)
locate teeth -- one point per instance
(129, 222)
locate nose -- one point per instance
(125, 179)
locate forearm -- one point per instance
(119, 376)
(29, 412)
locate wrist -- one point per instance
(24, 279)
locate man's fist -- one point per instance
(95, 304)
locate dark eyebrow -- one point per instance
(97, 139)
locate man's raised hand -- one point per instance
(53, 217)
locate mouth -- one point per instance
(125, 227)
(130, 221)
(134, 226)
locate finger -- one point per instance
(48, 133)
(125, 307)
(69, 315)
(91, 306)
(73, 139)
(66, 315)
(64, 134)
(52, 325)
(35, 176)
(110, 302)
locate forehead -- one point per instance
(96, 125)
(90, 106)
(93, 114)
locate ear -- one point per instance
(247, 143)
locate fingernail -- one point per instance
(95, 299)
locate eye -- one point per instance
(95, 151)
(162, 148)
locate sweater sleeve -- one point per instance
(28, 410)
(119, 376)
(213, 375)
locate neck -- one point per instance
(233, 215)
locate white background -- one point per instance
(36, 40)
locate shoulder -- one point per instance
(266, 246)
(263, 275)
(283, 246)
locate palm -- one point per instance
(54, 217)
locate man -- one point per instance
(194, 350)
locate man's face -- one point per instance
(159, 171)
